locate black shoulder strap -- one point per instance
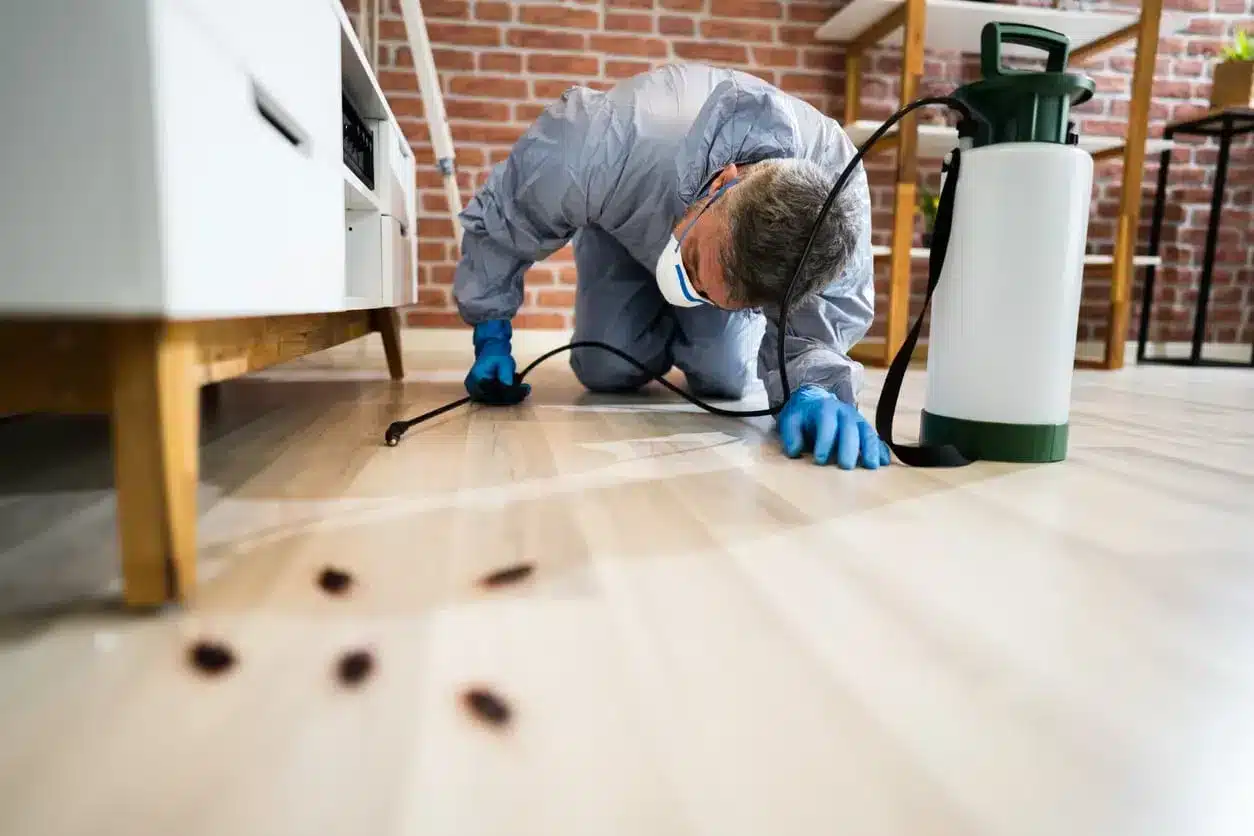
(921, 456)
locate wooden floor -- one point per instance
(715, 640)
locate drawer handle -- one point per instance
(280, 120)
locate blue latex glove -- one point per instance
(815, 419)
(491, 378)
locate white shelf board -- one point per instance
(356, 195)
(935, 141)
(955, 25)
(358, 79)
(922, 253)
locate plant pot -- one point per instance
(1234, 85)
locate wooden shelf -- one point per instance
(955, 25)
(935, 141)
(1091, 260)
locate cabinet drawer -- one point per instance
(251, 218)
(291, 48)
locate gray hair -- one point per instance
(771, 217)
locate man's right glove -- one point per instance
(491, 378)
(815, 419)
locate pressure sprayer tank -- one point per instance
(1003, 330)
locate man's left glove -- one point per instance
(815, 419)
(491, 379)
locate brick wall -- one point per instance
(501, 62)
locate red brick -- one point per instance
(555, 298)
(433, 297)
(445, 60)
(628, 45)
(463, 34)
(672, 25)
(799, 83)
(716, 53)
(448, 9)
(747, 8)
(431, 251)
(493, 11)
(434, 319)
(824, 59)
(561, 16)
(541, 39)
(540, 320)
(527, 112)
(625, 69)
(488, 86)
(537, 275)
(472, 109)
(398, 82)
(800, 35)
(684, 5)
(480, 132)
(551, 89)
(406, 107)
(440, 273)
(809, 12)
(629, 4)
(429, 178)
(770, 56)
(563, 64)
(500, 62)
(737, 31)
(621, 22)
(470, 157)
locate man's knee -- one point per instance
(600, 371)
(731, 381)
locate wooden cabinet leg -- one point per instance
(156, 434)
(387, 321)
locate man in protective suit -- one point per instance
(690, 192)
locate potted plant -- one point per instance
(928, 204)
(1234, 76)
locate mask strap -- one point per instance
(715, 197)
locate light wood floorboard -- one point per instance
(716, 640)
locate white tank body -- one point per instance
(1004, 314)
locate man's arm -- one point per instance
(823, 328)
(532, 204)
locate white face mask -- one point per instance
(672, 277)
(673, 280)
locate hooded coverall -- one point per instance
(616, 171)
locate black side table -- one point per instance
(1224, 124)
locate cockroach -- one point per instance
(334, 581)
(511, 574)
(487, 706)
(354, 666)
(211, 657)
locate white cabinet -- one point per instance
(176, 210)
(184, 159)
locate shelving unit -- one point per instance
(1092, 260)
(955, 25)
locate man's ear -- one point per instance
(724, 177)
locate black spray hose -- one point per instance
(398, 428)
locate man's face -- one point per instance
(703, 246)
